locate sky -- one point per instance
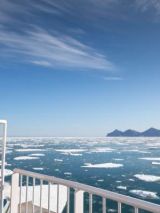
(79, 67)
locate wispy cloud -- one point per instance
(145, 5)
(52, 49)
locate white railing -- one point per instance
(31, 178)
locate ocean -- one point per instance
(130, 166)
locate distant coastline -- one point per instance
(151, 132)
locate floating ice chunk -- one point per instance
(122, 187)
(70, 150)
(29, 150)
(103, 165)
(58, 160)
(132, 180)
(26, 158)
(31, 145)
(67, 173)
(40, 169)
(147, 178)
(37, 154)
(145, 194)
(155, 163)
(100, 180)
(151, 158)
(101, 150)
(118, 159)
(138, 151)
(76, 154)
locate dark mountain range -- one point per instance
(152, 132)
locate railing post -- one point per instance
(78, 201)
(4, 123)
(15, 193)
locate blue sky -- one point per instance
(79, 68)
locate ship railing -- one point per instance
(22, 178)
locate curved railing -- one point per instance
(79, 190)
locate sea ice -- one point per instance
(122, 187)
(29, 150)
(147, 178)
(26, 158)
(67, 173)
(151, 158)
(155, 163)
(37, 154)
(70, 150)
(145, 194)
(101, 150)
(40, 169)
(58, 160)
(103, 165)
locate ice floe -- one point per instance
(31, 145)
(68, 173)
(132, 180)
(103, 165)
(122, 187)
(151, 158)
(147, 178)
(155, 163)
(145, 194)
(29, 150)
(100, 180)
(75, 154)
(26, 158)
(37, 154)
(58, 160)
(40, 169)
(70, 150)
(137, 150)
(101, 150)
(118, 159)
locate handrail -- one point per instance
(137, 203)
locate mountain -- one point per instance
(115, 133)
(130, 133)
(152, 132)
